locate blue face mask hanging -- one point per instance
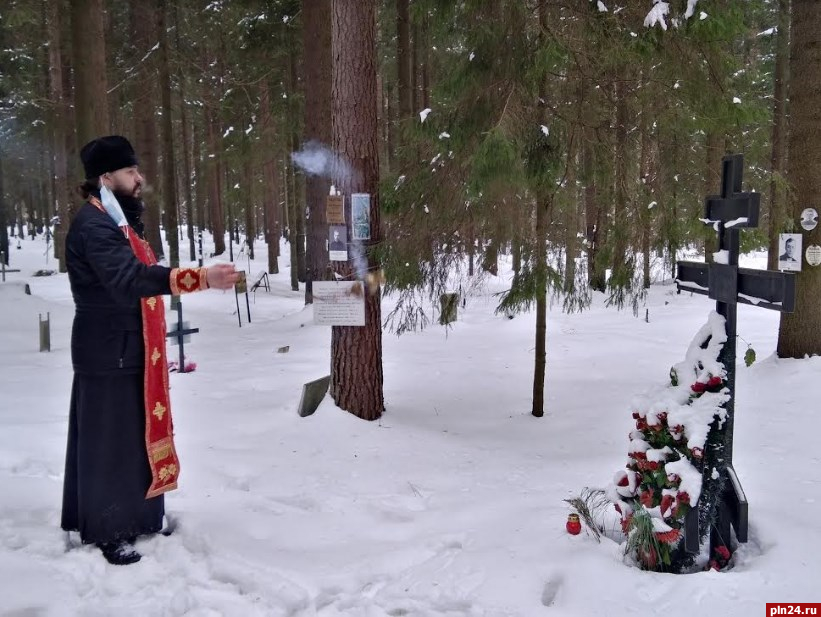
(112, 206)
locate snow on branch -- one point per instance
(660, 13)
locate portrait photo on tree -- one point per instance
(338, 242)
(789, 252)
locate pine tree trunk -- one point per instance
(144, 96)
(301, 261)
(214, 182)
(62, 196)
(714, 151)
(40, 207)
(297, 192)
(571, 232)
(73, 162)
(191, 211)
(571, 214)
(4, 217)
(800, 332)
(592, 212)
(382, 133)
(424, 69)
(543, 203)
(250, 214)
(620, 276)
(46, 186)
(388, 127)
(273, 214)
(316, 49)
(646, 188)
(540, 352)
(200, 192)
(645, 251)
(271, 206)
(270, 200)
(228, 203)
(490, 259)
(284, 183)
(356, 352)
(45, 135)
(90, 86)
(403, 60)
(593, 216)
(668, 166)
(30, 215)
(416, 43)
(293, 223)
(516, 255)
(777, 210)
(400, 108)
(171, 209)
(471, 250)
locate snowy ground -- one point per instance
(451, 504)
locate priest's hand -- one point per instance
(222, 276)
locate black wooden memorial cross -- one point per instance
(180, 334)
(727, 284)
(3, 268)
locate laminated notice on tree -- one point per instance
(339, 303)
(335, 210)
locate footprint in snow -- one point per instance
(551, 589)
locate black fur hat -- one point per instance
(106, 154)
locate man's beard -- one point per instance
(128, 200)
(132, 208)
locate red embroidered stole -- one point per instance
(159, 427)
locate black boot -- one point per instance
(169, 526)
(119, 553)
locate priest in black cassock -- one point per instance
(120, 458)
